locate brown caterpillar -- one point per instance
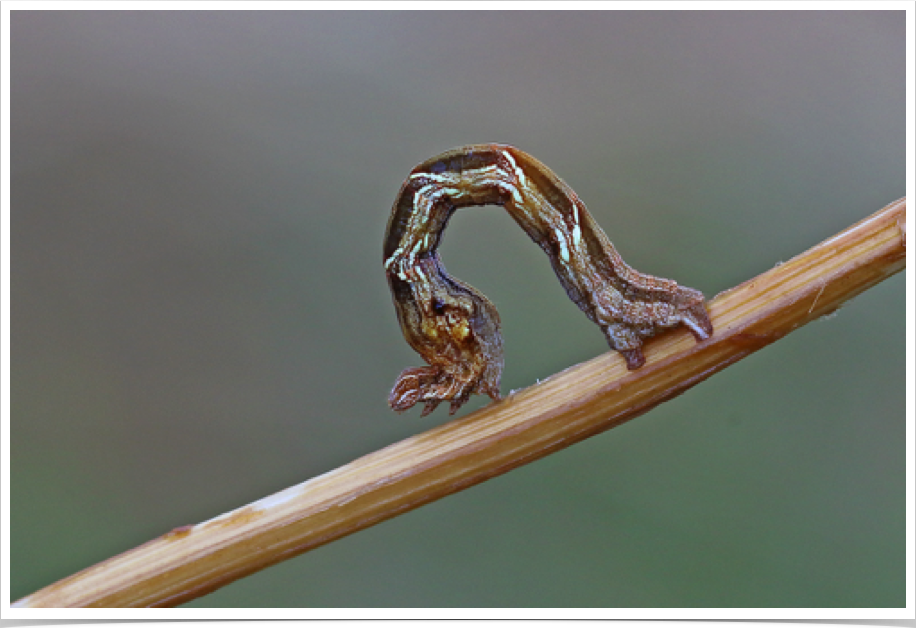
(455, 328)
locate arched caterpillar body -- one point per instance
(454, 327)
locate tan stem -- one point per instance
(570, 406)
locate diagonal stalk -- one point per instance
(572, 405)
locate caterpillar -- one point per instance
(455, 328)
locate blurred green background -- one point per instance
(200, 317)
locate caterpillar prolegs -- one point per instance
(454, 328)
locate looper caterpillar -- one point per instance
(455, 328)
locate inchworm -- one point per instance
(455, 328)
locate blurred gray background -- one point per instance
(200, 317)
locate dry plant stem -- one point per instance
(582, 401)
